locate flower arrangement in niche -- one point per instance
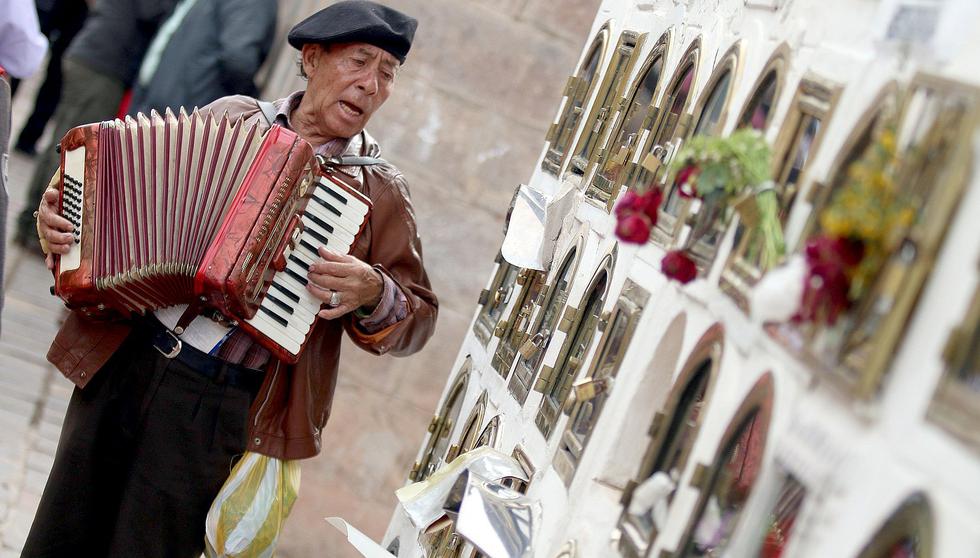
(721, 173)
(864, 221)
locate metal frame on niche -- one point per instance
(609, 167)
(494, 299)
(614, 82)
(677, 208)
(555, 382)
(863, 344)
(591, 392)
(577, 92)
(754, 411)
(442, 424)
(545, 324)
(700, 373)
(513, 331)
(913, 519)
(658, 146)
(955, 405)
(814, 101)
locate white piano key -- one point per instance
(323, 202)
(337, 241)
(339, 225)
(276, 333)
(358, 207)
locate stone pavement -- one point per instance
(33, 395)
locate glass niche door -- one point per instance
(636, 116)
(589, 395)
(580, 325)
(577, 91)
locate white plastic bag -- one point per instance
(248, 513)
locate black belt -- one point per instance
(218, 371)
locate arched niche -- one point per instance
(709, 118)
(907, 533)
(648, 398)
(442, 425)
(555, 297)
(757, 111)
(579, 325)
(799, 139)
(670, 120)
(578, 89)
(637, 117)
(470, 433)
(614, 82)
(712, 106)
(726, 484)
(589, 395)
(513, 331)
(495, 298)
(673, 431)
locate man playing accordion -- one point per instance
(151, 431)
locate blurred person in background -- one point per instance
(98, 67)
(207, 49)
(22, 48)
(60, 21)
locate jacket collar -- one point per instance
(361, 145)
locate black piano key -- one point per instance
(316, 235)
(285, 307)
(326, 206)
(274, 316)
(308, 246)
(323, 224)
(299, 278)
(335, 195)
(286, 292)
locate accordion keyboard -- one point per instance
(71, 204)
(331, 219)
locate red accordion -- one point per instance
(192, 209)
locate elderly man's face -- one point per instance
(347, 83)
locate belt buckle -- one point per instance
(178, 345)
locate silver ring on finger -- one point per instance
(334, 298)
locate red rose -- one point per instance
(678, 266)
(652, 210)
(633, 227)
(685, 181)
(631, 202)
(830, 262)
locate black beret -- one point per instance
(358, 21)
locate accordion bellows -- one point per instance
(197, 209)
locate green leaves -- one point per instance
(727, 165)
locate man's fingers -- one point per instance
(333, 313)
(51, 196)
(55, 221)
(326, 282)
(335, 269)
(331, 256)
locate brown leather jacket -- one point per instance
(294, 401)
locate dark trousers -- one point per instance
(144, 449)
(87, 96)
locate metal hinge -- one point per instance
(699, 478)
(484, 297)
(656, 424)
(568, 319)
(544, 379)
